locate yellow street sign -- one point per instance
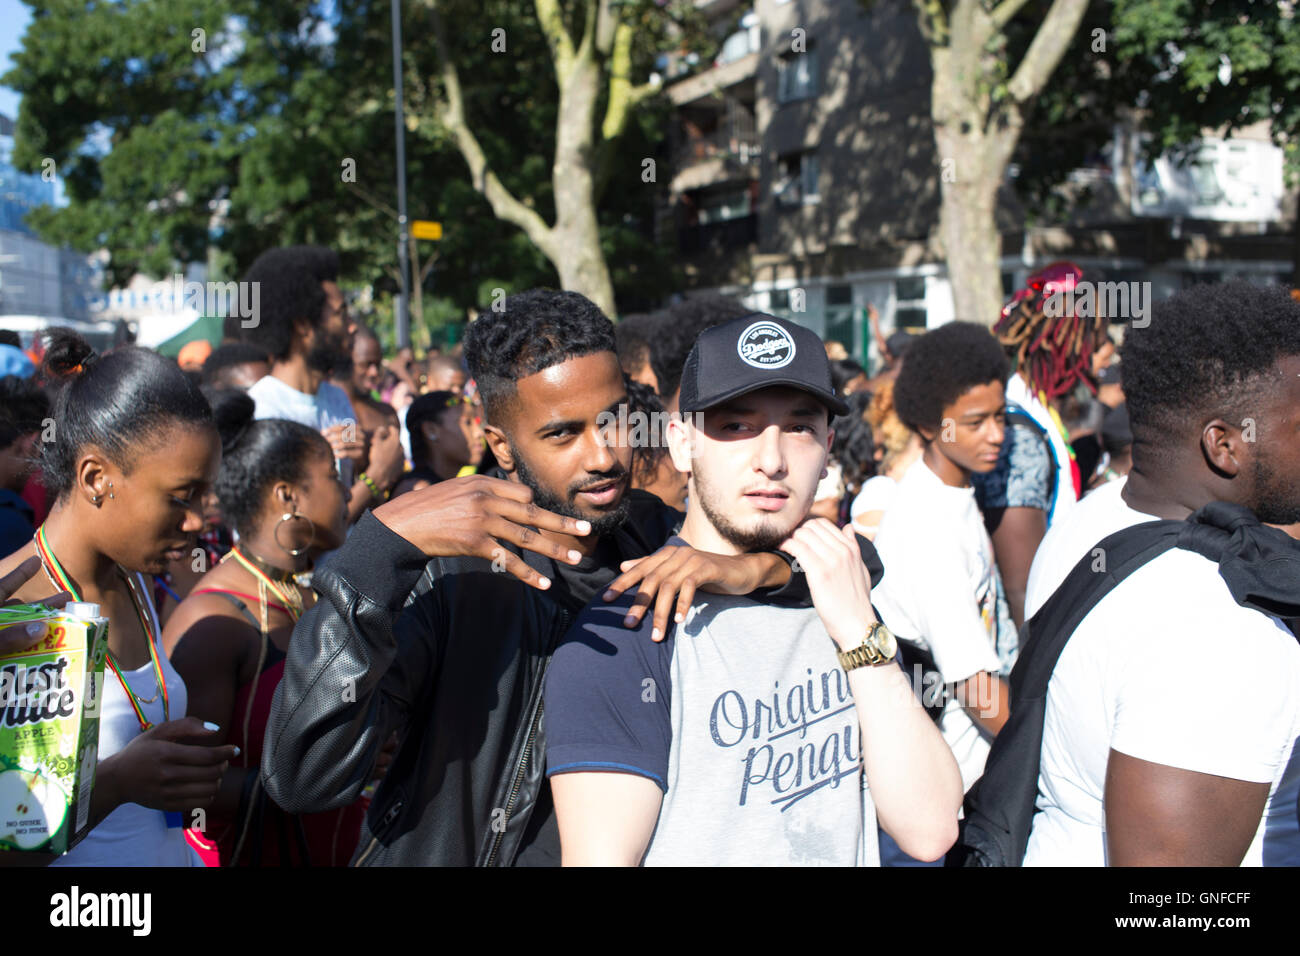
(425, 229)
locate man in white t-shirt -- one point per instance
(302, 323)
(1173, 713)
(940, 588)
(1098, 515)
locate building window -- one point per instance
(796, 76)
(839, 295)
(778, 300)
(796, 182)
(909, 303)
(913, 287)
(722, 206)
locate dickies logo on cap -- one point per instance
(766, 345)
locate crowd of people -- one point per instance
(440, 611)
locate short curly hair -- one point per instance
(1205, 352)
(941, 366)
(289, 288)
(634, 334)
(533, 331)
(680, 325)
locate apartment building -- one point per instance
(805, 181)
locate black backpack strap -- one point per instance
(1000, 806)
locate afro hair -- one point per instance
(941, 366)
(289, 289)
(1206, 352)
(534, 331)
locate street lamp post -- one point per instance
(402, 313)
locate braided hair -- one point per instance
(1053, 352)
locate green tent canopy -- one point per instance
(206, 327)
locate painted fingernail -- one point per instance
(584, 527)
(209, 725)
(236, 751)
(544, 583)
(35, 630)
(679, 618)
(575, 556)
(655, 634)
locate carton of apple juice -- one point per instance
(50, 699)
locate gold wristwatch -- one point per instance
(878, 647)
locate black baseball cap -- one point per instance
(756, 351)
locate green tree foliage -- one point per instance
(173, 144)
(1173, 68)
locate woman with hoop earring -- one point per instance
(279, 489)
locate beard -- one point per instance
(330, 355)
(602, 522)
(765, 534)
(1277, 493)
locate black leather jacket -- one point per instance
(450, 655)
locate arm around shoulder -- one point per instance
(353, 663)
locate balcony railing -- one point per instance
(717, 237)
(737, 145)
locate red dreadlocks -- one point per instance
(1054, 352)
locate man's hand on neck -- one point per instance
(702, 536)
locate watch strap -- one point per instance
(866, 654)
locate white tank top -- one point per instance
(133, 835)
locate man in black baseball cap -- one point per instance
(669, 752)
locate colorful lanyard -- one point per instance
(61, 579)
(1076, 476)
(1060, 425)
(294, 607)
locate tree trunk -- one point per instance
(978, 114)
(973, 246)
(577, 255)
(970, 167)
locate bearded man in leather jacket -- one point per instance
(437, 619)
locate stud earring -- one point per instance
(96, 499)
(110, 490)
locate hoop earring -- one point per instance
(275, 534)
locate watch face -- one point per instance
(885, 641)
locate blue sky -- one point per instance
(14, 17)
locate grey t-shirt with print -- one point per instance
(742, 715)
